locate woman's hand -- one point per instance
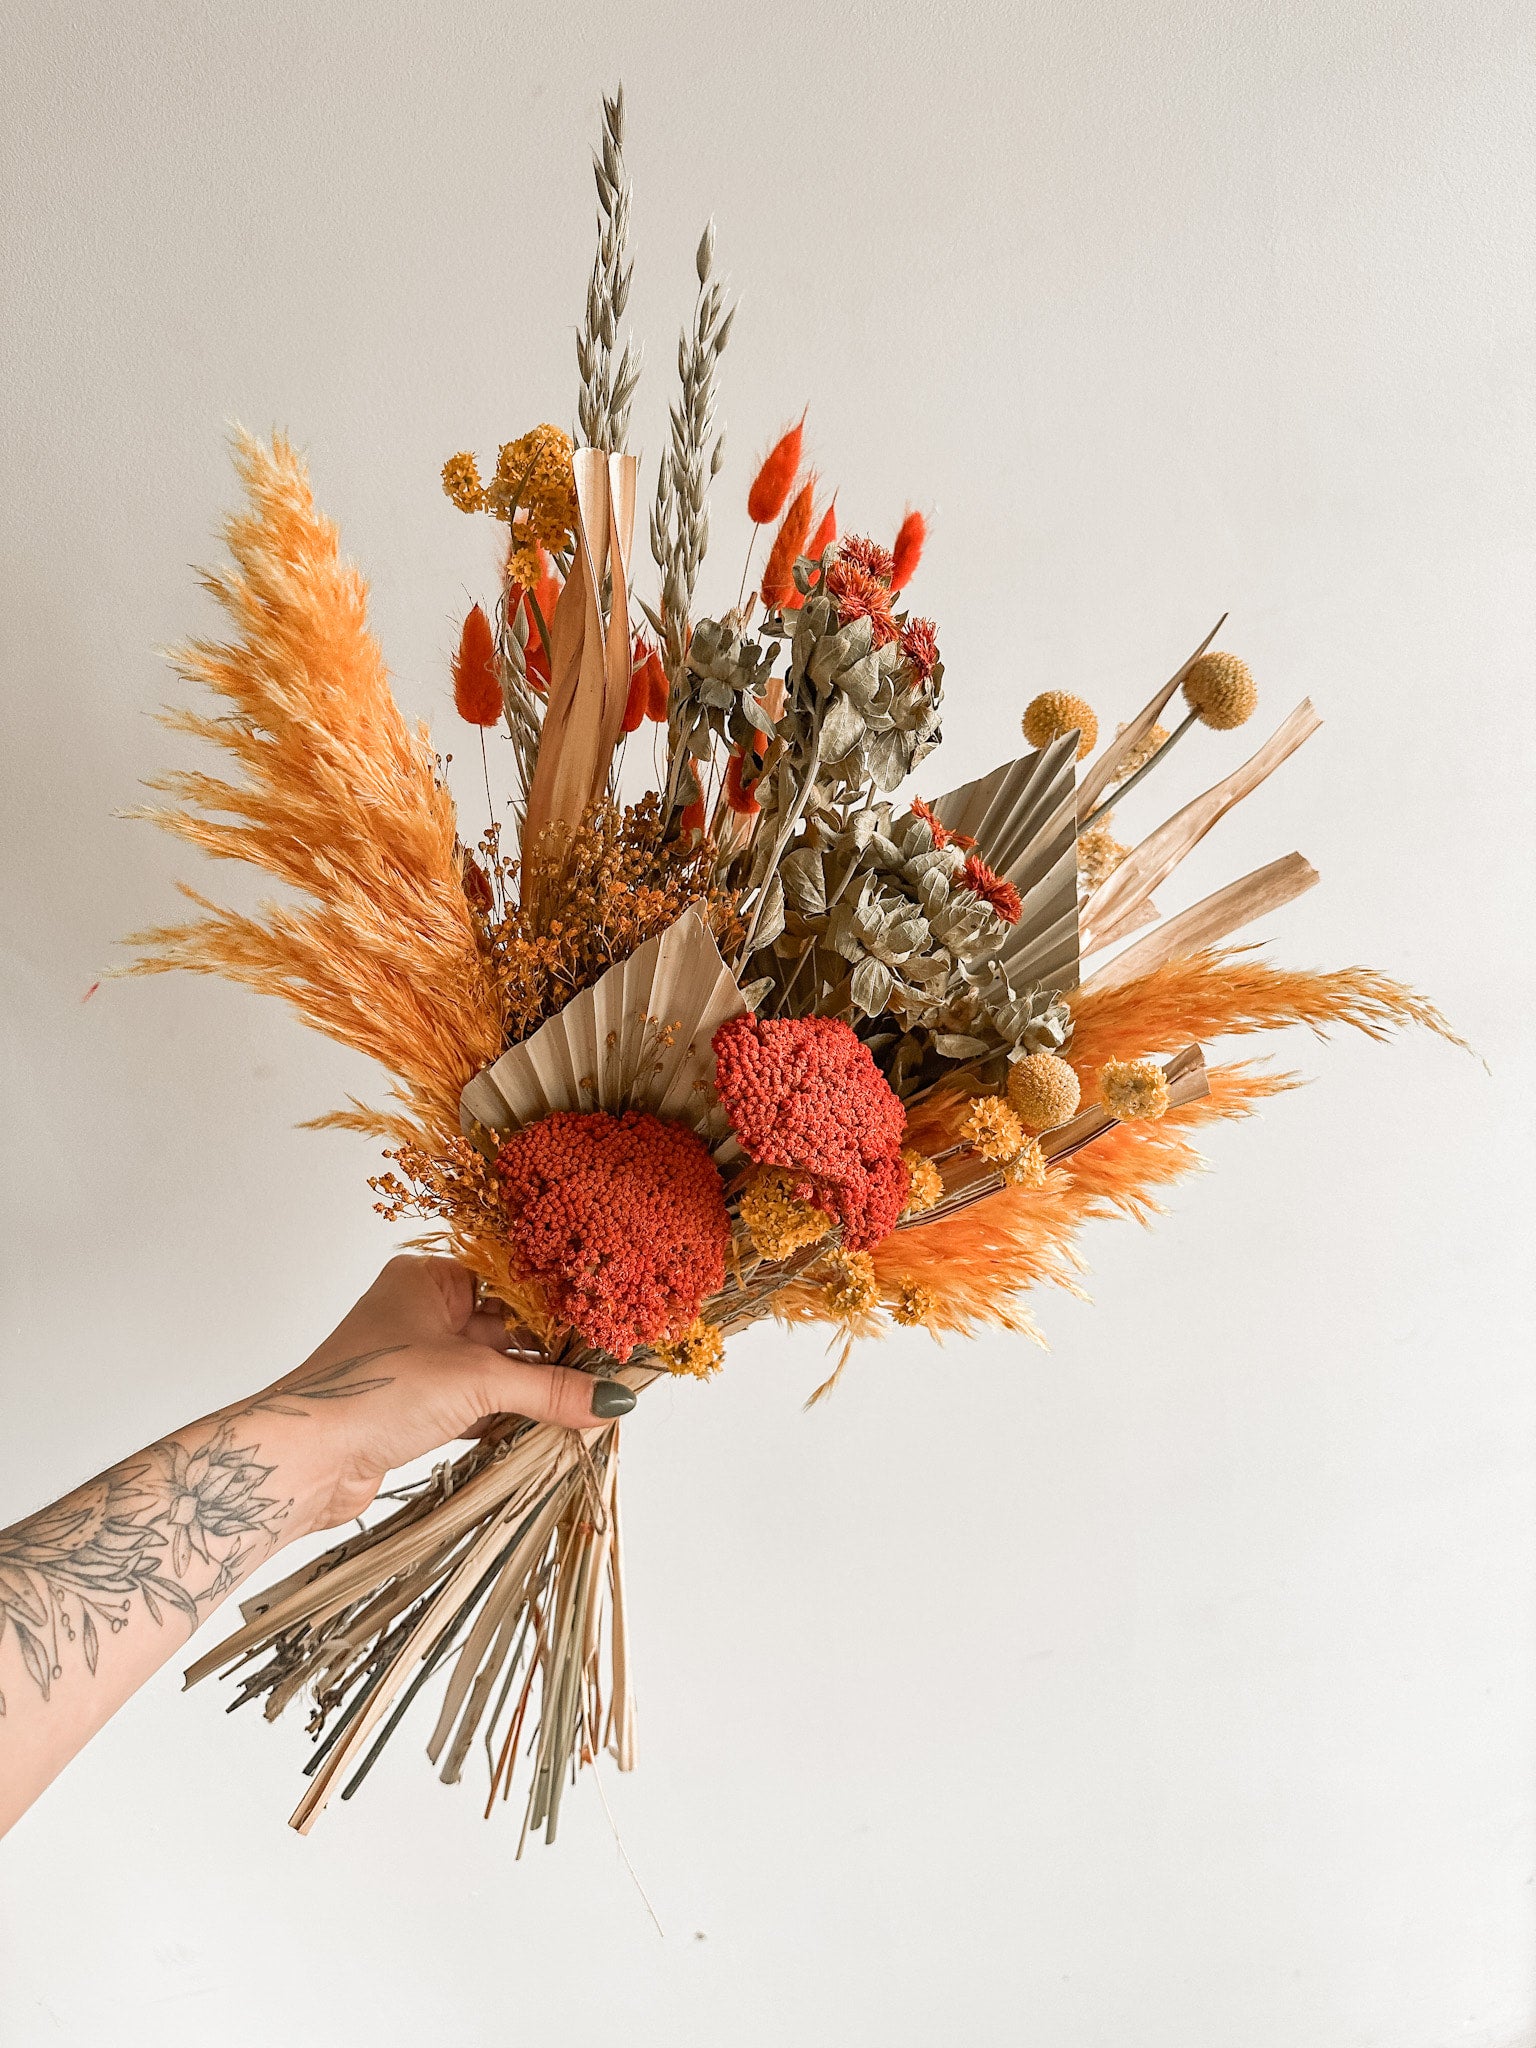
(98, 1589)
(413, 1366)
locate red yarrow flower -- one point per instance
(804, 1093)
(990, 886)
(620, 1221)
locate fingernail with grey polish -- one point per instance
(610, 1398)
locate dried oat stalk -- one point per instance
(608, 374)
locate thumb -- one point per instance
(551, 1393)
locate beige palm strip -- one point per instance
(1118, 907)
(589, 666)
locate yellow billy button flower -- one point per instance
(1043, 1091)
(1055, 712)
(1220, 690)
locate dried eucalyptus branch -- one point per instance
(680, 518)
(608, 386)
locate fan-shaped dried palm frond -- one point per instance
(339, 799)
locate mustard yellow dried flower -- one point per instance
(851, 1287)
(1141, 753)
(777, 1220)
(1220, 689)
(461, 480)
(1043, 1091)
(1099, 853)
(914, 1304)
(927, 1183)
(1134, 1090)
(696, 1351)
(991, 1129)
(1055, 712)
(1027, 1167)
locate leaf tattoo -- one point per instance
(325, 1383)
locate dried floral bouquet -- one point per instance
(773, 1040)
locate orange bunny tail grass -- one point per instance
(907, 552)
(476, 678)
(1206, 995)
(337, 798)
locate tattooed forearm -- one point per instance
(174, 1529)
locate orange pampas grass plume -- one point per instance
(788, 547)
(1207, 995)
(908, 551)
(476, 681)
(776, 479)
(339, 799)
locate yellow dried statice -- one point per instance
(914, 1304)
(1027, 1167)
(461, 480)
(926, 1183)
(1134, 1090)
(1043, 1091)
(534, 490)
(1055, 712)
(851, 1287)
(697, 1351)
(991, 1129)
(777, 1220)
(1221, 691)
(1099, 853)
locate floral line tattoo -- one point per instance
(76, 1568)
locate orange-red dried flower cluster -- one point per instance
(804, 1093)
(620, 1221)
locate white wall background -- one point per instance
(1171, 1688)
